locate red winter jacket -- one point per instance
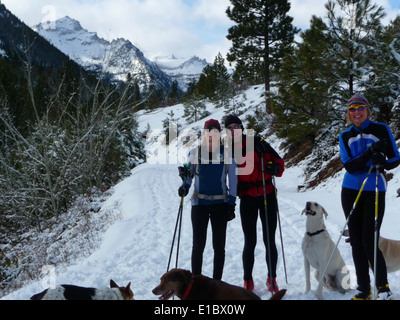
(250, 172)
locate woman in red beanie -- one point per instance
(214, 197)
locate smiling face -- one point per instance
(358, 115)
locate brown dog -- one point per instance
(186, 286)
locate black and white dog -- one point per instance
(69, 292)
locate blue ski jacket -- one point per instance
(356, 157)
(215, 180)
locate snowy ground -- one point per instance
(136, 247)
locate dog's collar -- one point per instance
(189, 288)
(311, 234)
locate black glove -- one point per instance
(261, 146)
(185, 173)
(379, 147)
(230, 213)
(272, 169)
(379, 159)
(183, 190)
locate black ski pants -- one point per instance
(250, 208)
(361, 228)
(201, 215)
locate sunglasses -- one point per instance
(354, 108)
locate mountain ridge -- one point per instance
(115, 59)
(119, 57)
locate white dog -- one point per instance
(390, 250)
(317, 248)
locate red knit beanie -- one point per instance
(212, 124)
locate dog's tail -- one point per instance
(279, 295)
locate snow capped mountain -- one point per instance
(117, 58)
(16, 36)
(180, 69)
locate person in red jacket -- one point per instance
(251, 194)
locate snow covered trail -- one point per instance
(136, 247)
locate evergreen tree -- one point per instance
(173, 96)
(353, 28)
(214, 81)
(222, 79)
(194, 109)
(382, 85)
(304, 105)
(261, 36)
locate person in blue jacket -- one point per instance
(214, 197)
(364, 144)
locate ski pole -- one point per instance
(376, 229)
(344, 227)
(179, 234)
(266, 225)
(280, 228)
(178, 222)
(184, 173)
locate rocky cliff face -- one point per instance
(115, 59)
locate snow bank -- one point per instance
(136, 247)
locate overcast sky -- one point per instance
(161, 27)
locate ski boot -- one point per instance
(362, 294)
(272, 288)
(384, 293)
(249, 285)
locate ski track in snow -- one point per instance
(136, 248)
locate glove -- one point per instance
(261, 147)
(379, 147)
(184, 172)
(272, 169)
(230, 213)
(183, 190)
(379, 159)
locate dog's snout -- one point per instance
(308, 205)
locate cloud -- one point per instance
(155, 26)
(302, 10)
(161, 27)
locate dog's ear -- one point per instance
(186, 276)
(304, 211)
(113, 284)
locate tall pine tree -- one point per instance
(260, 38)
(352, 25)
(382, 85)
(214, 80)
(304, 104)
